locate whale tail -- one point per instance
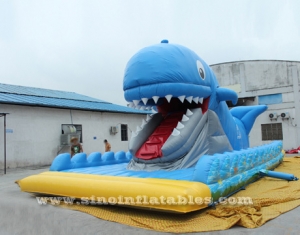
(248, 114)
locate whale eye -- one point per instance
(201, 70)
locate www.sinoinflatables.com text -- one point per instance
(144, 200)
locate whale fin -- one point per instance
(224, 94)
(248, 114)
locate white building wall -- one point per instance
(257, 78)
(289, 131)
(35, 140)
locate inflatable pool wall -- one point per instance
(192, 146)
(222, 173)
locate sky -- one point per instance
(83, 45)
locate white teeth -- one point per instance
(145, 100)
(196, 99)
(189, 112)
(136, 102)
(175, 132)
(169, 97)
(184, 118)
(148, 118)
(138, 128)
(201, 100)
(181, 98)
(155, 98)
(143, 123)
(142, 108)
(179, 125)
(189, 99)
(153, 111)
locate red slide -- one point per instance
(152, 147)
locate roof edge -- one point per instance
(69, 108)
(60, 98)
(241, 61)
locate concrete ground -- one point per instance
(21, 214)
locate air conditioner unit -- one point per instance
(113, 130)
(273, 116)
(68, 129)
(285, 115)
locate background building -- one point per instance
(271, 82)
(38, 118)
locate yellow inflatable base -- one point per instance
(159, 194)
(271, 198)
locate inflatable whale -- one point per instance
(193, 117)
(192, 147)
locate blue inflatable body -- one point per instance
(223, 173)
(193, 136)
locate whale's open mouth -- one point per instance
(161, 135)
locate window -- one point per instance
(124, 132)
(271, 131)
(78, 129)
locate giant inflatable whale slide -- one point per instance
(193, 147)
